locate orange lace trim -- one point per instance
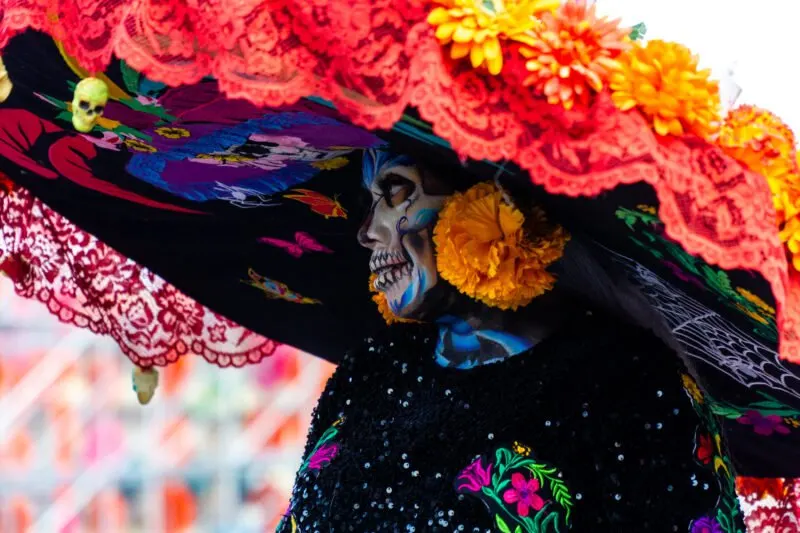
(373, 58)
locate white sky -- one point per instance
(759, 39)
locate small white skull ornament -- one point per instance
(5, 83)
(89, 103)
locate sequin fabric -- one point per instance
(601, 403)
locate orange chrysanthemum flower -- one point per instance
(662, 79)
(485, 249)
(475, 28)
(763, 143)
(383, 306)
(573, 52)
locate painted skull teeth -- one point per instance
(389, 275)
(382, 260)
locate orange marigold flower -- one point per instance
(383, 306)
(662, 79)
(573, 52)
(790, 233)
(475, 28)
(485, 248)
(763, 143)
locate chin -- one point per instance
(403, 287)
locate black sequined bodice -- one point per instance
(591, 430)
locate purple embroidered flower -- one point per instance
(706, 524)
(475, 476)
(523, 494)
(763, 425)
(323, 456)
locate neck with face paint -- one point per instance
(475, 335)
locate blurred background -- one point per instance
(215, 451)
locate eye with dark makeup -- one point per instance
(396, 189)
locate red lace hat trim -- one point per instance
(373, 58)
(86, 283)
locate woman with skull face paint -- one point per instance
(561, 415)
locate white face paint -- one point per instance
(399, 231)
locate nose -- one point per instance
(374, 232)
(366, 236)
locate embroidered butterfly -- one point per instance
(319, 203)
(303, 243)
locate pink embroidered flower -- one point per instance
(764, 425)
(523, 494)
(474, 477)
(323, 456)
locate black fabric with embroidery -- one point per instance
(591, 426)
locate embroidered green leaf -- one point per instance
(501, 524)
(550, 520)
(630, 217)
(130, 77)
(503, 456)
(557, 487)
(638, 31)
(517, 529)
(502, 485)
(64, 115)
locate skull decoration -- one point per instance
(5, 82)
(88, 104)
(145, 382)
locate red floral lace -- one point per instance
(373, 58)
(86, 283)
(770, 505)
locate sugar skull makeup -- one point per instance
(398, 229)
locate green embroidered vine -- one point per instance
(727, 512)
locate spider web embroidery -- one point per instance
(706, 336)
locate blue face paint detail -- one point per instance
(510, 343)
(464, 339)
(415, 288)
(376, 160)
(424, 218)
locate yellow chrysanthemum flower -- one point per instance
(663, 81)
(485, 248)
(475, 28)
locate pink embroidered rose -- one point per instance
(523, 493)
(474, 477)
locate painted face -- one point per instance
(399, 230)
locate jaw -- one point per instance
(400, 293)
